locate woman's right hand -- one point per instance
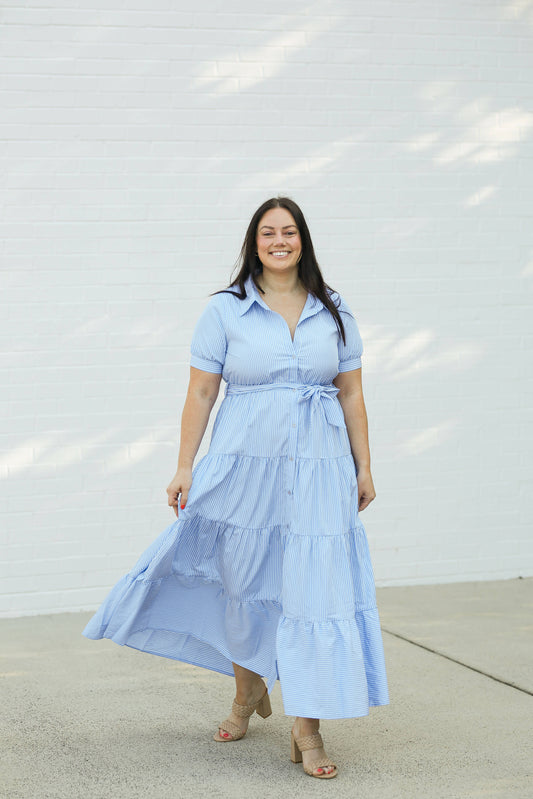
(180, 484)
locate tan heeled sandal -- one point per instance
(299, 745)
(262, 707)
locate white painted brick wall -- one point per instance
(136, 140)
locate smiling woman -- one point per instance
(278, 239)
(279, 246)
(266, 572)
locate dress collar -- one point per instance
(311, 307)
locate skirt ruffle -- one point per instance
(292, 600)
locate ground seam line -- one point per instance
(459, 662)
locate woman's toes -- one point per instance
(324, 769)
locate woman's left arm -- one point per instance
(352, 402)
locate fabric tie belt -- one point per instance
(322, 397)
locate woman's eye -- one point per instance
(288, 233)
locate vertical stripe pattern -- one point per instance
(268, 565)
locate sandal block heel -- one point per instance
(296, 755)
(264, 708)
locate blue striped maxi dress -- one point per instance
(268, 565)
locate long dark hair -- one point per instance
(308, 268)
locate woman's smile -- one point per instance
(278, 239)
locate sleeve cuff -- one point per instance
(207, 366)
(347, 366)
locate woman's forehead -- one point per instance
(277, 217)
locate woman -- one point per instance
(266, 571)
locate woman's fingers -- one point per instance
(176, 498)
(365, 489)
(364, 500)
(174, 502)
(178, 488)
(172, 497)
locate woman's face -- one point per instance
(278, 241)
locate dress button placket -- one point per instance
(293, 430)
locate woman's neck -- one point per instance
(288, 283)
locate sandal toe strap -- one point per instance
(228, 726)
(314, 742)
(323, 762)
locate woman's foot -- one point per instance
(303, 727)
(249, 695)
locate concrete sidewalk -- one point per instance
(91, 719)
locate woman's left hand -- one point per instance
(365, 489)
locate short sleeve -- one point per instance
(351, 352)
(208, 343)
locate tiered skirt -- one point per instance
(278, 582)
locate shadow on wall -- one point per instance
(405, 137)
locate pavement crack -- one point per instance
(459, 662)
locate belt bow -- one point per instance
(322, 397)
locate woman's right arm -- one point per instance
(201, 396)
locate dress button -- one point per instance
(289, 492)
(293, 425)
(291, 459)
